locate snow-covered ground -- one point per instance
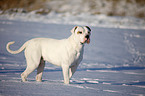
(113, 64)
(79, 19)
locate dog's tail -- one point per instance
(16, 51)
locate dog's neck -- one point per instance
(75, 43)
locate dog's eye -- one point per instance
(89, 32)
(79, 32)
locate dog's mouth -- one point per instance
(86, 39)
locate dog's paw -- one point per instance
(38, 80)
(23, 78)
(66, 82)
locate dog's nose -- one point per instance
(87, 36)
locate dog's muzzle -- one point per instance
(86, 39)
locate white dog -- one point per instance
(66, 53)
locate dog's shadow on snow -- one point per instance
(113, 68)
(96, 81)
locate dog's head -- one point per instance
(82, 34)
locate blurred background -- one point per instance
(134, 8)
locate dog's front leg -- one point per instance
(65, 70)
(72, 70)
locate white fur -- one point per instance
(66, 53)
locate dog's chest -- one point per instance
(75, 57)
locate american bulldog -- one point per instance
(66, 53)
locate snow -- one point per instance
(113, 63)
(79, 19)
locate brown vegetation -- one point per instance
(109, 7)
(27, 5)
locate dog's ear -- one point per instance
(88, 28)
(73, 30)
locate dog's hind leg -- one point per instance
(30, 68)
(40, 70)
(33, 60)
(27, 72)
